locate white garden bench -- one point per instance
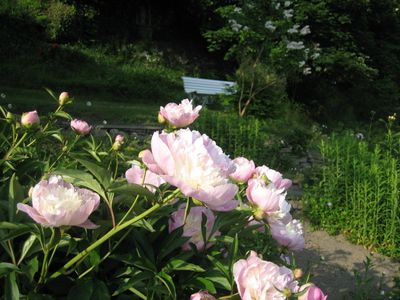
(202, 88)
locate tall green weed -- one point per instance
(356, 190)
(248, 136)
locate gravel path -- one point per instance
(332, 261)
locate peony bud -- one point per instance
(80, 127)
(30, 119)
(10, 117)
(64, 99)
(244, 169)
(119, 140)
(298, 273)
(161, 119)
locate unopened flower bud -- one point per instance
(298, 273)
(119, 139)
(80, 127)
(10, 117)
(30, 119)
(63, 98)
(161, 119)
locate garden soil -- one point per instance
(333, 261)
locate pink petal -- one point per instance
(33, 213)
(88, 225)
(162, 154)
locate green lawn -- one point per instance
(92, 107)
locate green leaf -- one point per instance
(101, 174)
(27, 246)
(31, 268)
(51, 93)
(224, 270)
(173, 241)
(63, 114)
(6, 268)
(204, 284)
(11, 287)
(81, 178)
(218, 280)
(100, 291)
(13, 233)
(144, 224)
(168, 283)
(82, 290)
(58, 137)
(15, 195)
(181, 265)
(131, 188)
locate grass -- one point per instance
(96, 70)
(103, 106)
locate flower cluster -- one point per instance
(207, 184)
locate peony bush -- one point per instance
(94, 217)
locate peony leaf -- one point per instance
(181, 265)
(101, 174)
(81, 178)
(11, 287)
(6, 268)
(63, 114)
(131, 188)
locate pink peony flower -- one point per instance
(63, 98)
(180, 115)
(268, 200)
(30, 119)
(202, 296)
(119, 139)
(313, 293)
(273, 176)
(192, 226)
(58, 203)
(195, 164)
(151, 180)
(80, 127)
(289, 234)
(244, 169)
(257, 279)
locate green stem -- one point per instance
(10, 247)
(129, 210)
(103, 239)
(45, 263)
(13, 147)
(107, 254)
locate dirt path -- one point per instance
(332, 261)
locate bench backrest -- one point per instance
(207, 86)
